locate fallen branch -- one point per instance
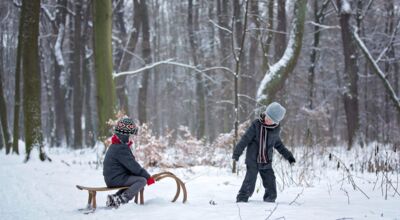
(298, 195)
(272, 212)
(240, 216)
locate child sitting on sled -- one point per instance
(120, 167)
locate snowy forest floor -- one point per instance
(315, 188)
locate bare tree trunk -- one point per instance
(87, 78)
(3, 104)
(274, 79)
(249, 80)
(238, 59)
(270, 34)
(280, 36)
(102, 24)
(77, 76)
(31, 74)
(61, 128)
(318, 19)
(17, 93)
(350, 96)
(126, 55)
(200, 131)
(224, 38)
(146, 51)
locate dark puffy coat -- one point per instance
(119, 164)
(251, 140)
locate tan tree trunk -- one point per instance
(105, 97)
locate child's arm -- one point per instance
(284, 151)
(128, 161)
(244, 141)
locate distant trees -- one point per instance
(213, 70)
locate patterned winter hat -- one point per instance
(126, 126)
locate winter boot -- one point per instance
(116, 200)
(269, 199)
(241, 199)
(110, 201)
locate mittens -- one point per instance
(150, 181)
(292, 160)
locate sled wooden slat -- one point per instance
(139, 197)
(92, 191)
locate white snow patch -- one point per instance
(44, 190)
(346, 7)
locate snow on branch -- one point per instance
(278, 72)
(58, 45)
(48, 13)
(220, 27)
(390, 43)
(171, 62)
(345, 7)
(377, 69)
(322, 26)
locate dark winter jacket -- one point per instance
(119, 164)
(251, 140)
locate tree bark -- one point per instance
(77, 76)
(200, 131)
(3, 105)
(146, 52)
(17, 93)
(105, 96)
(270, 34)
(31, 74)
(276, 76)
(318, 19)
(61, 128)
(280, 35)
(127, 57)
(350, 95)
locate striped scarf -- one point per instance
(262, 149)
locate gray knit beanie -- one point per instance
(275, 112)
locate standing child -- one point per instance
(120, 167)
(260, 138)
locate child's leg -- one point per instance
(248, 184)
(119, 192)
(269, 183)
(135, 183)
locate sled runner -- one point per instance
(92, 191)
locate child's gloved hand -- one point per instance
(235, 158)
(292, 160)
(150, 181)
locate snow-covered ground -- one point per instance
(46, 190)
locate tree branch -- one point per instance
(377, 69)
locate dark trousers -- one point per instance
(135, 183)
(249, 183)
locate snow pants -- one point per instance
(268, 179)
(135, 183)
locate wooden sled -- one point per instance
(92, 191)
